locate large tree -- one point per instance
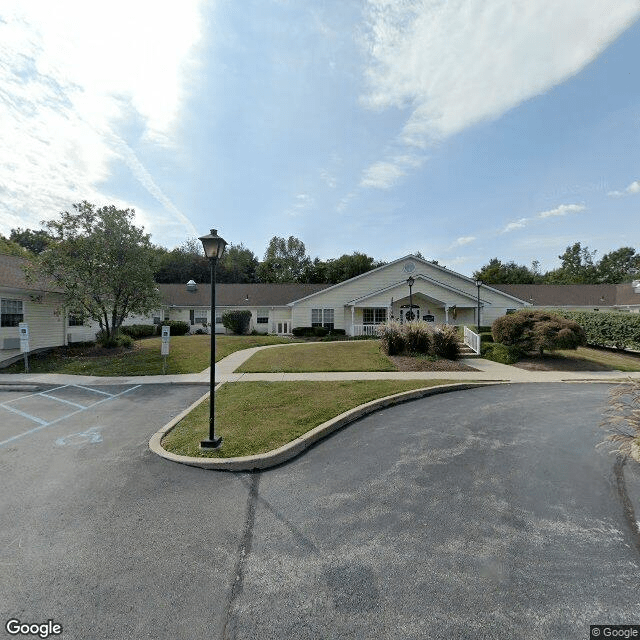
(184, 263)
(578, 267)
(238, 264)
(284, 261)
(621, 265)
(349, 266)
(497, 272)
(103, 263)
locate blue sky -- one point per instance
(463, 129)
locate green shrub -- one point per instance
(417, 336)
(320, 332)
(337, 332)
(137, 331)
(486, 336)
(237, 321)
(500, 353)
(607, 329)
(177, 327)
(537, 330)
(114, 341)
(445, 342)
(303, 332)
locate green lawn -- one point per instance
(256, 417)
(361, 355)
(619, 361)
(187, 354)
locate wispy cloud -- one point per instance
(632, 189)
(460, 242)
(516, 224)
(457, 63)
(562, 210)
(559, 211)
(71, 75)
(386, 173)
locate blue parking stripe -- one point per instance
(44, 424)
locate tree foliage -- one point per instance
(33, 240)
(535, 330)
(284, 261)
(497, 272)
(103, 263)
(11, 248)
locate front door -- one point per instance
(283, 327)
(407, 316)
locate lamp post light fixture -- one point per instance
(410, 282)
(479, 283)
(213, 246)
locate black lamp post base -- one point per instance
(216, 443)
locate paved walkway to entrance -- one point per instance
(487, 370)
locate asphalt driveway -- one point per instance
(481, 514)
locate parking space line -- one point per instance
(74, 404)
(73, 413)
(79, 386)
(44, 423)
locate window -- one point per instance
(316, 317)
(201, 319)
(510, 311)
(262, 316)
(11, 313)
(374, 316)
(218, 318)
(75, 319)
(322, 318)
(156, 319)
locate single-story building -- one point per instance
(356, 306)
(407, 288)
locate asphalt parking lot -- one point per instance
(487, 513)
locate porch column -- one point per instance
(353, 315)
(446, 313)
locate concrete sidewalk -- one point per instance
(487, 370)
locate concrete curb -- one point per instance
(297, 446)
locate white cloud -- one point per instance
(71, 74)
(562, 210)
(385, 174)
(459, 62)
(517, 224)
(381, 175)
(460, 242)
(632, 189)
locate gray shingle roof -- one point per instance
(587, 295)
(237, 295)
(12, 275)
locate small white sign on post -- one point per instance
(164, 347)
(23, 329)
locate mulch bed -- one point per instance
(407, 363)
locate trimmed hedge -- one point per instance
(500, 353)
(607, 328)
(237, 321)
(176, 327)
(137, 331)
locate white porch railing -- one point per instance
(472, 340)
(365, 330)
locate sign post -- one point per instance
(23, 328)
(164, 347)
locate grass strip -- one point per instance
(256, 417)
(616, 361)
(187, 354)
(362, 355)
